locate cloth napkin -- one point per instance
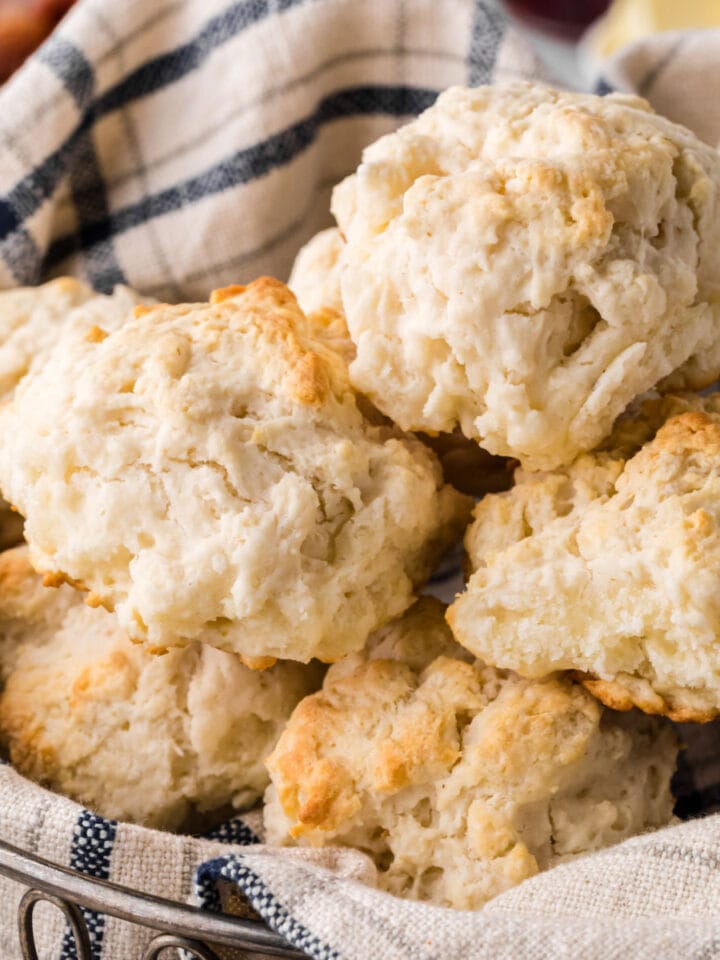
(180, 146)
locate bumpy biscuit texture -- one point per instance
(611, 566)
(315, 280)
(523, 263)
(205, 472)
(315, 276)
(32, 320)
(459, 780)
(154, 740)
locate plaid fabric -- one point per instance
(180, 145)
(151, 143)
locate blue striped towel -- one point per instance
(182, 145)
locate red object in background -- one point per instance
(52, 8)
(24, 24)
(564, 18)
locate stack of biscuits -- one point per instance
(504, 338)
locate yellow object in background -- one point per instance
(630, 20)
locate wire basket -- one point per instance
(177, 925)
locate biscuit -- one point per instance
(27, 608)
(523, 263)
(315, 275)
(611, 566)
(150, 739)
(32, 319)
(459, 780)
(315, 280)
(205, 472)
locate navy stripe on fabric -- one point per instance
(90, 853)
(488, 28)
(602, 87)
(20, 253)
(247, 164)
(91, 204)
(261, 899)
(233, 831)
(71, 66)
(8, 218)
(87, 185)
(201, 134)
(172, 66)
(21, 256)
(25, 198)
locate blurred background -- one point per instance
(572, 37)
(24, 24)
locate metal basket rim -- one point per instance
(134, 906)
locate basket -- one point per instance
(177, 925)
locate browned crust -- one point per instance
(142, 309)
(94, 600)
(309, 380)
(113, 678)
(272, 308)
(258, 663)
(227, 293)
(348, 740)
(96, 335)
(281, 319)
(617, 696)
(314, 791)
(308, 377)
(56, 578)
(692, 431)
(69, 285)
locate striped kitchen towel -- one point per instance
(653, 897)
(181, 145)
(56, 829)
